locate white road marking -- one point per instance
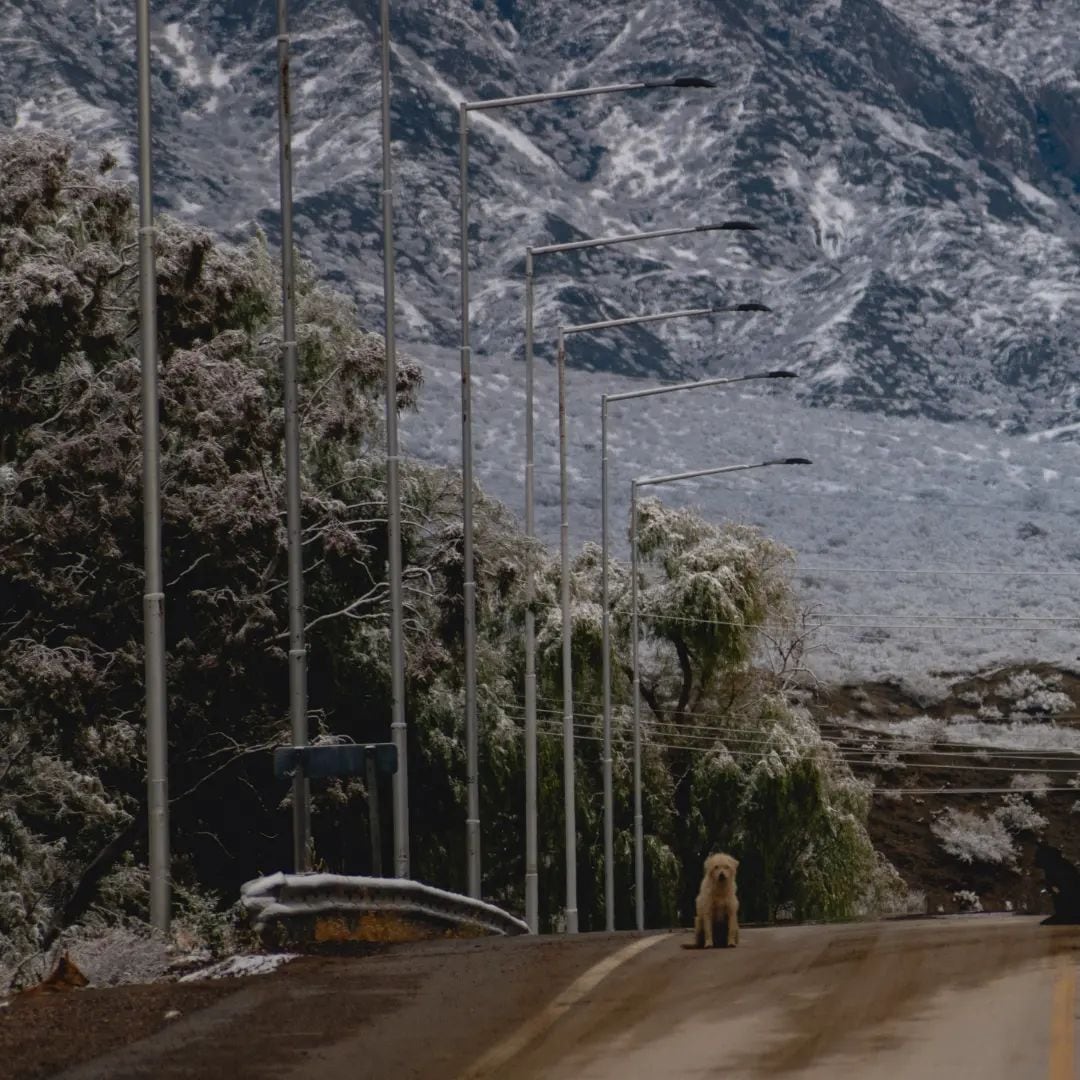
(532, 1029)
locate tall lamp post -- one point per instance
(398, 731)
(301, 792)
(472, 778)
(652, 481)
(564, 603)
(532, 899)
(701, 384)
(157, 740)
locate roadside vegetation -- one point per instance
(730, 762)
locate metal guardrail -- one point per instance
(283, 897)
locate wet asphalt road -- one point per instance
(966, 997)
(975, 996)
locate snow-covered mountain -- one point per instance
(915, 164)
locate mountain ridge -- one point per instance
(915, 169)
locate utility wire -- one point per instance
(904, 571)
(739, 721)
(891, 791)
(999, 622)
(703, 742)
(856, 756)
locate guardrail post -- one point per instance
(340, 760)
(373, 815)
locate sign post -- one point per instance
(344, 759)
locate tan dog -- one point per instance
(716, 921)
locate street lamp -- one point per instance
(532, 899)
(472, 777)
(393, 490)
(301, 792)
(701, 384)
(652, 481)
(564, 601)
(157, 739)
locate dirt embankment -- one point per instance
(1026, 699)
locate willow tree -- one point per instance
(730, 762)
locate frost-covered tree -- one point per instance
(729, 762)
(72, 756)
(70, 509)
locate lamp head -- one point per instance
(682, 82)
(731, 226)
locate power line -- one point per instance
(705, 742)
(957, 616)
(852, 748)
(1062, 623)
(707, 737)
(854, 628)
(590, 708)
(904, 571)
(974, 791)
(888, 791)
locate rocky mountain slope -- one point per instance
(915, 165)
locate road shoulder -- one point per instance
(424, 1011)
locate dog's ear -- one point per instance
(734, 863)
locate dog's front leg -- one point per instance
(719, 931)
(732, 938)
(707, 932)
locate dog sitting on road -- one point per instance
(716, 920)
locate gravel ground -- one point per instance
(42, 1034)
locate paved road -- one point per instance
(965, 997)
(984, 997)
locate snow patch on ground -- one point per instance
(239, 966)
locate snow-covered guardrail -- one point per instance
(334, 907)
